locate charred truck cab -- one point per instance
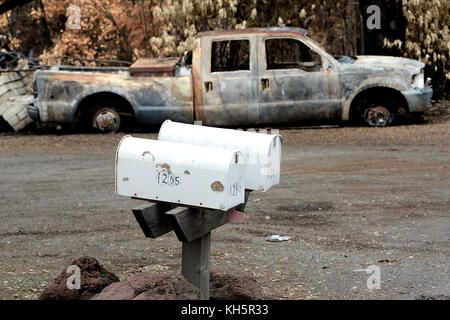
(231, 78)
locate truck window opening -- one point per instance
(230, 55)
(291, 54)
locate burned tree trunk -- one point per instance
(46, 31)
(393, 26)
(11, 4)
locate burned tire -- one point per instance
(377, 116)
(378, 107)
(106, 120)
(104, 112)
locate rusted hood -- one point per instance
(413, 66)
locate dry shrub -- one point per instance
(100, 36)
(428, 39)
(129, 29)
(177, 21)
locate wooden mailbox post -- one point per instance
(193, 228)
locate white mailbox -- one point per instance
(179, 173)
(262, 151)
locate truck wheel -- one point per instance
(378, 116)
(106, 120)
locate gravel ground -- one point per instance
(350, 197)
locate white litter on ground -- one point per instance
(278, 238)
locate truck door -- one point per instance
(229, 81)
(295, 83)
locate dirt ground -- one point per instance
(350, 197)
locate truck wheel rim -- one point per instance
(377, 116)
(107, 121)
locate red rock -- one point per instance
(94, 278)
(145, 286)
(116, 291)
(225, 287)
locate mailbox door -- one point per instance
(265, 173)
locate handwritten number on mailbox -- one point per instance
(168, 178)
(235, 189)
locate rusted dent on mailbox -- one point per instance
(148, 153)
(217, 186)
(165, 166)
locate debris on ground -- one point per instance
(14, 99)
(94, 278)
(278, 238)
(147, 286)
(438, 113)
(226, 287)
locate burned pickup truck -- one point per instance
(236, 78)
